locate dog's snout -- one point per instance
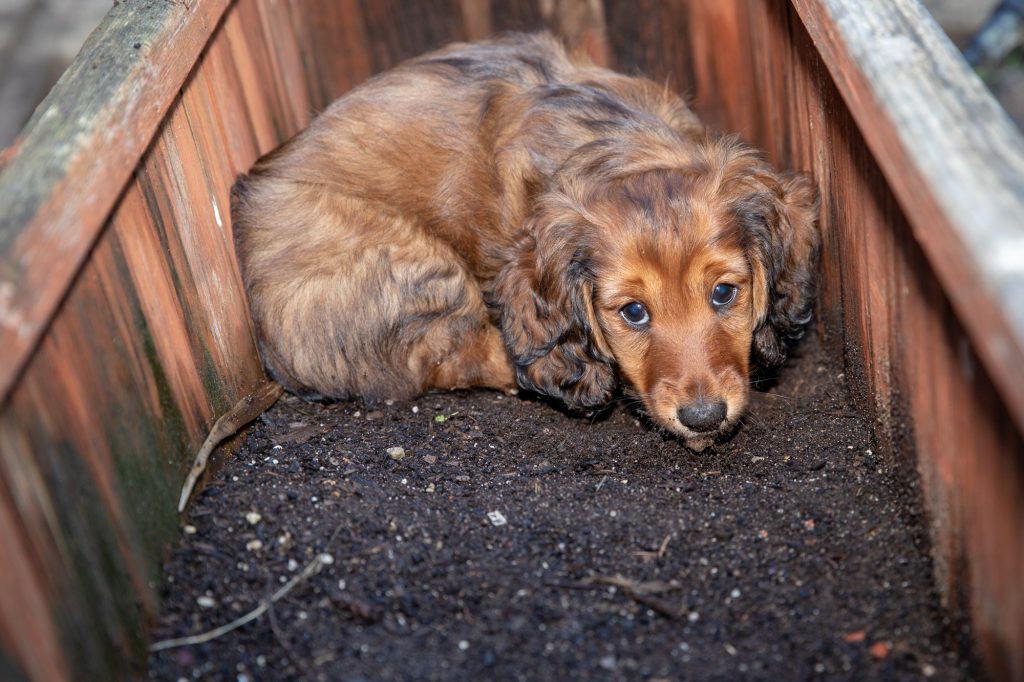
(703, 415)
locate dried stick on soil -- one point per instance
(312, 568)
(247, 409)
(642, 593)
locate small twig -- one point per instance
(655, 604)
(656, 554)
(312, 568)
(642, 593)
(247, 409)
(664, 545)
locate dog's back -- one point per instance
(365, 240)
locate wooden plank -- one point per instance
(66, 170)
(27, 629)
(333, 43)
(952, 156)
(911, 359)
(150, 343)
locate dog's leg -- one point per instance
(353, 300)
(480, 361)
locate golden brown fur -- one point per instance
(485, 214)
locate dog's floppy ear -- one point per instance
(778, 224)
(545, 298)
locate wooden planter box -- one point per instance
(125, 334)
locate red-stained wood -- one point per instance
(939, 399)
(950, 155)
(131, 336)
(27, 630)
(68, 167)
(151, 342)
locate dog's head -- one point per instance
(671, 267)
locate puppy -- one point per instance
(499, 214)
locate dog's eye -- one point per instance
(635, 314)
(723, 294)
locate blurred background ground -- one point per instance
(961, 19)
(39, 38)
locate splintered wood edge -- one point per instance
(65, 172)
(952, 157)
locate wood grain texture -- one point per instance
(66, 170)
(130, 335)
(939, 404)
(150, 344)
(952, 157)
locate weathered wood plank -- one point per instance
(908, 346)
(151, 341)
(952, 156)
(87, 481)
(66, 170)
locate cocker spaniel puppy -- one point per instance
(498, 214)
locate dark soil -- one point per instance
(793, 551)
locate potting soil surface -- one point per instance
(478, 536)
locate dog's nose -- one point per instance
(702, 415)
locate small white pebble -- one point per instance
(274, 461)
(463, 645)
(254, 545)
(730, 649)
(292, 564)
(189, 529)
(341, 584)
(415, 409)
(206, 602)
(496, 518)
(357, 413)
(326, 559)
(389, 402)
(693, 616)
(261, 660)
(302, 615)
(735, 594)
(313, 498)
(613, 513)
(253, 518)
(928, 670)
(235, 479)
(396, 453)
(430, 488)
(404, 481)
(277, 447)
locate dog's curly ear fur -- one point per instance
(779, 228)
(545, 298)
